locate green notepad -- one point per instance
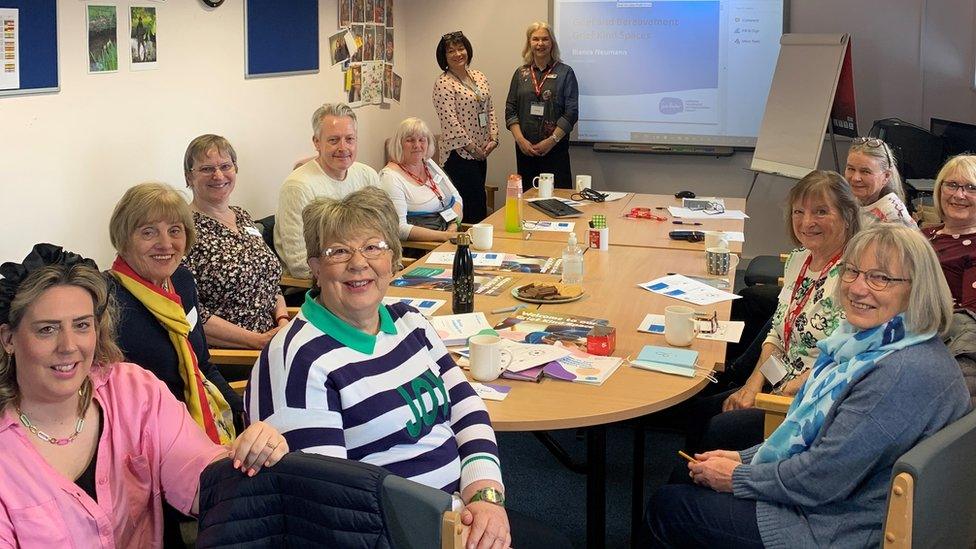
(667, 360)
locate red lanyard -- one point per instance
(535, 83)
(792, 315)
(428, 182)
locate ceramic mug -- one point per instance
(482, 236)
(583, 182)
(487, 359)
(719, 261)
(716, 239)
(680, 328)
(545, 183)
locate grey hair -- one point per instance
(527, 48)
(961, 165)
(886, 159)
(930, 299)
(337, 110)
(832, 186)
(409, 127)
(327, 220)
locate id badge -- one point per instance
(253, 231)
(483, 119)
(449, 214)
(773, 370)
(537, 109)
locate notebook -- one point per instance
(554, 208)
(667, 360)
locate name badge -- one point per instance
(537, 109)
(192, 317)
(252, 231)
(773, 369)
(449, 214)
(482, 119)
(553, 76)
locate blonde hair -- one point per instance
(146, 203)
(370, 208)
(527, 48)
(961, 165)
(31, 289)
(831, 186)
(930, 299)
(409, 127)
(886, 159)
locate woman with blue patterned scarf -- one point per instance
(883, 382)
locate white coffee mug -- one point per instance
(488, 359)
(679, 325)
(545, 183)
(583, 182)
(716, 239)
(482, 236)
(719, 261)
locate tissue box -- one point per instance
(601, 340)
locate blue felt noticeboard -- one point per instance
(282, 37)
(37, 44)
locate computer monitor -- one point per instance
(959, 137)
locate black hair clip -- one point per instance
(41, 256)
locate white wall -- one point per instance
(66, 158)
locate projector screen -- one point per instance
(679, 72)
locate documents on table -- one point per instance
(728, 330)
(613, 195)
(456, 329)
(480, 259)
(667, 360)
(549, 226)
(490, 391)
(735, 236)
(427, 307)
(686, 289)
(566, 201)
(685, 213)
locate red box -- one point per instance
(601, 340)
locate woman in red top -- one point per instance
(955, 240)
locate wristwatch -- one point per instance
(490, 495)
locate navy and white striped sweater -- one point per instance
(396, 399)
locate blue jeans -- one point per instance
(681, 515)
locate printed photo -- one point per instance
(368, 11)
(358, 11)
(338, 51)
(345, 12)
(357, 31)
(142, 38)
(103, 39)
(356, 88)
(369, 43)
(397, 84)
(389, 45)
(378, 11)
(388, 81)
(389, 13)
(380, 43)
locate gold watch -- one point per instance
(490, 495)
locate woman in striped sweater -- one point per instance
(353, 378)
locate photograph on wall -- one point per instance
(357, 32)
(388, 81)
(103, 39)
(379, 10)
(389, 45)
(355, 87)
(358, 11)
(338, 48)
(379, 52)
(389, 13)
(369, 43)
(10, 63)
(368, 11)
(397, 85)
(345, 12)
(142, 39)
(372, 83)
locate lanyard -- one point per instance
(535, 83)
(475, 88)
(428, 181)
(792, 315)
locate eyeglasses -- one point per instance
(707, 323)
(211, 170)
(877, 280)
(951, 187)
(875, 143)
(342, 254)
(456, 35)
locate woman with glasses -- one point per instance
(874, 178)
(469, 128)
(354, 378)
(883, 382)
(237, 274)
(541, 109)
(428, 205)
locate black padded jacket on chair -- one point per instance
(308, 500)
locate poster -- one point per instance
(338, 47)
(142, 37)
(372, 83)
(103, 39)
(10, 67)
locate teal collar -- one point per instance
(354, 338)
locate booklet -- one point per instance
(427, 307)
(667, 360)
(479, 259)
(435, 278)
(535, 326)
(583, 368)
(456, 329)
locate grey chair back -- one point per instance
(407, 504)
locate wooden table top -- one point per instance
(610, 280)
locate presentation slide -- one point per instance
(679, 72)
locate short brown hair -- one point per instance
(145, 203)
(326, 219)
(199, 147)
(831, 186)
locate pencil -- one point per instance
(686, 456)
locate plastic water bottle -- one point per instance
(513, 204)
(462, 292)
(572, 262)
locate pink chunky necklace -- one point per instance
(85, 394)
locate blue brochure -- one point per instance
(667, 360)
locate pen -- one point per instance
(513, 308)
(686, 456)
(686, 223)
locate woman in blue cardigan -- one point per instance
(883, 382)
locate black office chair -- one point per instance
(266, 225)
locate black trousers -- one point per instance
(694, 516)
(556, 163)
(468, 177)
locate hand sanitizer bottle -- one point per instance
(572, 262)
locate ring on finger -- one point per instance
(272, 446)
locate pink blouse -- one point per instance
(149, 449)
(458, 108)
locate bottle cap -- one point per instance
(515, 179)
(463, 239)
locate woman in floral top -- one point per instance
(237, 274)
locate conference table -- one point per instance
(624, 231)
(610, 282)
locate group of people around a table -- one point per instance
(111, 407)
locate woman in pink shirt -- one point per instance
(92, 446)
